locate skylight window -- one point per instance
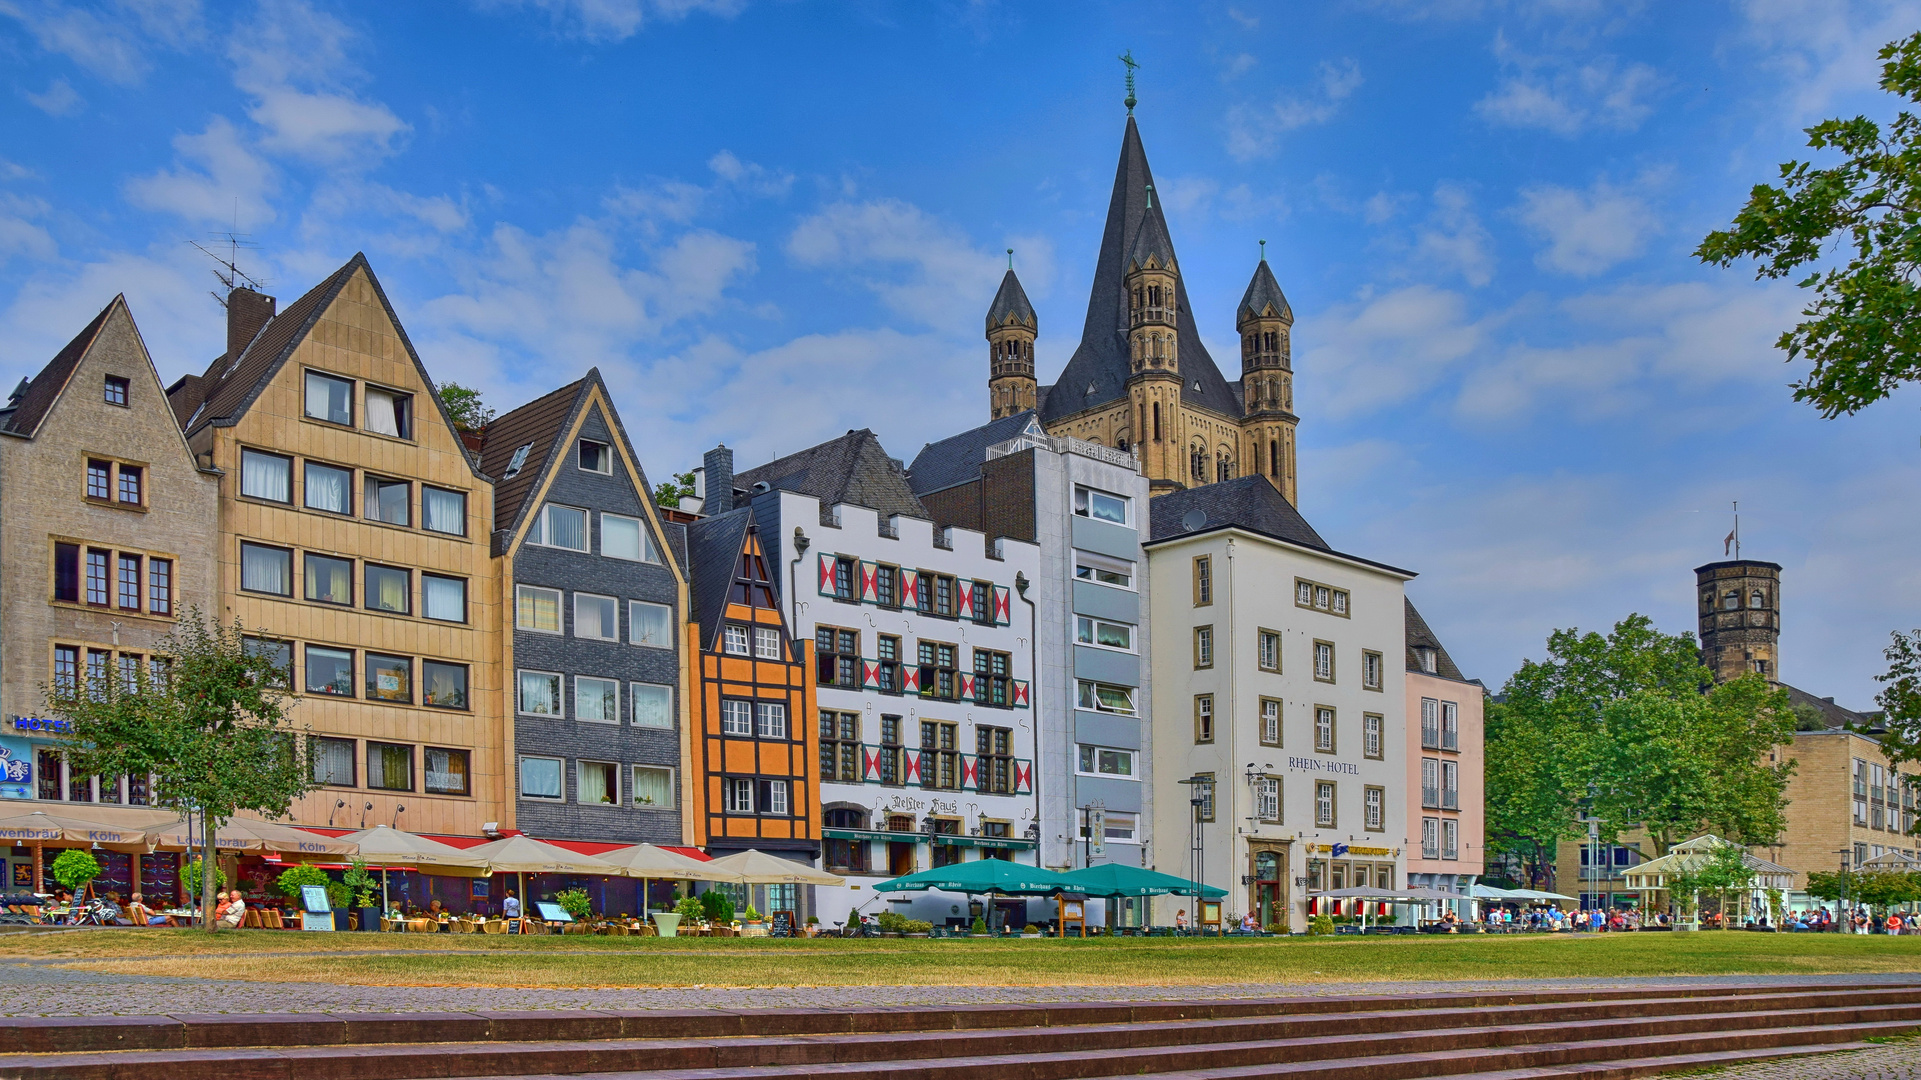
(520, 459)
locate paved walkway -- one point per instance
(1898, 1061)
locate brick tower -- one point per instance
(1739, 607)
(1011, 329)
(1267, 378)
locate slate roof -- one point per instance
(1010, 305)
(540, 422)
(714, 545)
(852, 469)
(1263, 295)
(1151, 242)
(1419, 636)
(957, 459)
(231, 383)
(1835, 715)
(1101, 361)
(23, 414)
(1252, 502)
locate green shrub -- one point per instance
(980, 925)
(75, 868)
(360, 883)
(1282, 927)
(690, 909)
(915, 926)
(1321, 924)
(291, 879)
(718, 906)
(575, 902)
(813, 920)
(750, 915)
(338, 895)
(190, 876)
(890, 922)
(1031, 928)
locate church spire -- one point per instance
(1011, 330)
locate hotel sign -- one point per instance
(1323, 765)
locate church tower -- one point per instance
(1740, 615)
(1011, 330)
(1267, 379)
(1151, 288)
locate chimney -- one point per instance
(718, 476)
(247, 312)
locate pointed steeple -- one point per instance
(1010, 306)
(1152, 245)
(1264, 299)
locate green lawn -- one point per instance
(471, 960)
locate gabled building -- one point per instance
(598, 602)
(353, 532)
(1445, 760)
(751, 744)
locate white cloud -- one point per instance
(1255, 131)
(59, 99)
(749, 177)
(1385, 349)
(1568, 98)
(294, 61)
(20, 235)
(1453, 238)
(618, 20)
(1587, 232)
(216, 178)
(1825, 51)
(166, 289)
(109, 40)
(678, 201)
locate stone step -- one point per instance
(1634, 1068)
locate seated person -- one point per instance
(142, 915)
(435, 910)
(110, 910)
(236, 910)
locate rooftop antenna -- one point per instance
(1128, 59)
(228, 269)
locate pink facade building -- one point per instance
(1445, 821)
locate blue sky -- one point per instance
(769, 222)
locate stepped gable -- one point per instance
(852, 469)
(957, 459)
(1101, 361)
(1419, 636)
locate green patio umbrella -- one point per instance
(984, 876)
(1113, 879)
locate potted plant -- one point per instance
(363, 886)
(576, 903)
(979, 929)
(813, 926)
(76, 869)
(667, 923)
(1031, 931)
(752, 925)
(338, 897)
(294, 878)
(916, 927)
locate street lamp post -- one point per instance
(1841, 922)
(1199, 789)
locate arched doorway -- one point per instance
(1267, 896)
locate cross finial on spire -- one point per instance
(1010, 258)
(1128, 59)
(1150, 196)
(1263, 251)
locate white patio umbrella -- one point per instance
(753, 867)
(523, 855)
(250, 834)
(385, 846)
(650, 863)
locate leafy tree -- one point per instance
(1900, 698)
(1862, 331)
(670, 492)
(1727, 871)
(464, 407)
(76, 869)
(575, 902)
(718, 906)
(211, 727)
(190, 877)
(359, 882)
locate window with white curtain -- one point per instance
(387, 500)
(540, 777)
(266, 569)
(653, 704)
(329, 398)
(332, 760)
(390, 413)
(650, 624)
(653, 786)
(596, 617)
(447, 771)
(443, 511)
(626, 538)
(266, 476)
(561, 527)
(329, 488)
(540, 693)
(598, 783)
(443, 598)
(596, 699)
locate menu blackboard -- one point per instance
(783, 924)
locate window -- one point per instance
(1427, 657)
(626, 538)
(891, 764)
(939, 755)
(540, 778)
(390, 766)
(938, 672)
(1093, 503)
(1203, 580)
(653, 786)
(1450, 839)
(1203, 718)
(1324, 661)
(160, 586)
(1340, 602)
(1323, 729)
(837, 657)
(278, 653)
(330, 399)
(739, 795)
(846, 576)
(597, 783)
(329, 488)
(130, 484)
(980, 600)
(1430, 838)
(773, 797)
(1324, 804)
(100, 478)
(127, 578)
(116, 391)
(596, 699)
(262, 476)
(840, 749)
(886, 586)
(1757, 600)
(443, 511)
(1371, 670)
(330, 671)
(1373, 816)
(733, 639)
(594, 456)
(97, 576)
(1106, 697)
(443, 598)
(887, 646)
(1312, 594)
(389, 589)
(596, 617)
(389, 678)
(329, 580)
(1203, 646)
(537, 609)
(653, 704)
(386, 500)
(1270, 722)
(1430, 724)
(736, 717)
(1450, 785)
(443, 685)
(130, 672)
(1269, 653)
(540, 693)
(447, 771)
(770, 719)
(991, 680)
(650, 624)
(1107, 635)
(66, 670)
(1430, 783)
(1104, 571)
(332, 761)
(1371, 742)
(1106, 761)
(766, 643)
(939, 599)
(266, 569)
(994, 760)
(518, 462)
(1450, 725)
(1204, 791)
(561, 527)
(1267, 799)
(66, 572)
(390, 413)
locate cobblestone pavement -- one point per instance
(1897, 1061)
